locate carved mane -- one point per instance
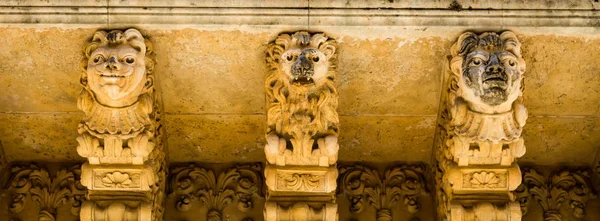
(294, 109)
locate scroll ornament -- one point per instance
(240, 184)
(48, 192)
(399, 184)
(570, 187)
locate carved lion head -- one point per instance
(117, 67)
(303, 58)
(300, 85)
(490, 68)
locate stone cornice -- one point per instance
(297, 13)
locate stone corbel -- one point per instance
(482, 123)
(302, 127)
(119, 134)
(302, 121)
(405, 184)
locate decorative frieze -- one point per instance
(302, 127)
(573, 187)
(120, 133)
(48, 192)
(399, 184)
(241, 184)
(480, 129)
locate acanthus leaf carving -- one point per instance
(403, 184)
(240, 184)
(47, 192)
(302, 121)
(572, 187)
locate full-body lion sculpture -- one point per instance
(301, 100)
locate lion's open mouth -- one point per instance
(302, 80)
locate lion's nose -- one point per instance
(304, 63)
(112, 64)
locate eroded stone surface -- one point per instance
(40, 137)
(555, 141)
(202, 138)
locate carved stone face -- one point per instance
(304, 58)
(116, 69)
(491, 74)
(304, 65)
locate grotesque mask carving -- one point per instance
(301, 93)
(490, 69)
(117, 68)
(117, 80)
(485, 86)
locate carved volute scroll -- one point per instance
(119, 134)
(302, 127)
(47, 191)
(480, 129)
(240, 185)
(364, 185)
(571, 187)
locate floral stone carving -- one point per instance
(485, 85)
(403, 184)
(47, 192)
(572, 187)
(240, 184)
(302, 122)
(117, 98)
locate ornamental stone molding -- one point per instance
(364, 185)
(302, 127)
(48, 192)
(120, 133)
(565, 187)
(241, 185)
(480, 129)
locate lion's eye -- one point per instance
(98, 59)
(130, 60)
(476, 61)
(315, 59)
(289, 57)
(511, 63)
